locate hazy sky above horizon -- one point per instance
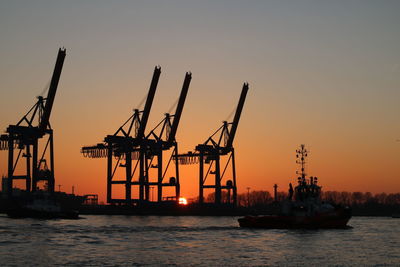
(326, 74)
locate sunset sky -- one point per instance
(321, 73)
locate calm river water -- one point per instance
(193, 241)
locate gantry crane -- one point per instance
(25, 136)
(126, 148)
(164, 141)
(211, 151)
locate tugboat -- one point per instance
(306, 210)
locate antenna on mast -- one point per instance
(301, 155)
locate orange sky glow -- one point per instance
(321, 74)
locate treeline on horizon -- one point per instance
(261, 198)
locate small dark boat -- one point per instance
(42, 210)
(44, 205)
(306, 210)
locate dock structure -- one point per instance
(219, 145)
(28, 136)
(134, 151)
(129, 150)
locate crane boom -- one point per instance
(179, 107)
(238, 112)
(149, 101)
(44, 121)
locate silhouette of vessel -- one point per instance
(44, 205)
(306, 210)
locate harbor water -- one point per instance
(193, 241)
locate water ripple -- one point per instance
(193, 241)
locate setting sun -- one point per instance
(183, 201)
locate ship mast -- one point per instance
(301, 155)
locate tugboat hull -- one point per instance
(333, 220)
